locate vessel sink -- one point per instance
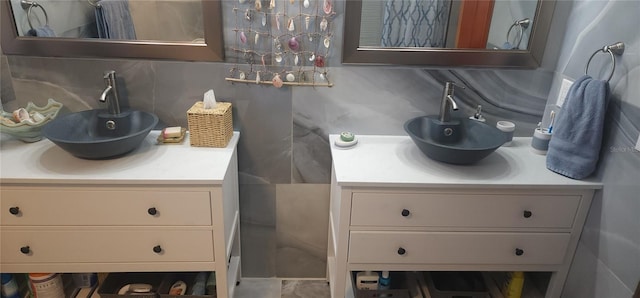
(459, 141)
(97, 134)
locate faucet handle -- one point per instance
(109, 73)
(452, 83)
(110, 77)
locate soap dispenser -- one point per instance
(477, 116)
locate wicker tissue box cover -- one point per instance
(210, 127)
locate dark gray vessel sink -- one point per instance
(459, 141)
(97, 134)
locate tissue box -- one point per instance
(210, 127)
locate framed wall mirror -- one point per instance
(487, 33)
(188, 30)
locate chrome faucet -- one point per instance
(113, 101)
(447, 102)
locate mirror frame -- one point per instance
(352, 53)
(211, 50)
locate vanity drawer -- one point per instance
(464, 210)
(457, 248)
(106, 245)
(44, 206)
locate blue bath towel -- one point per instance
(114, 21)
(44, 31)
(574, 148)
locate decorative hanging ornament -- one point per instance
(295, 60)
(264, 19)
(243, 38)
(242, 1)
(277, 16)
(258, 77)
(319, 61)
(247, 14)
(276, 43)
(277, 81)
(327, 42)
(290, 77)
(323, 24)
(305, 3)
(294, 45)
(258, 5)
(278, 57)
(327, 6)
(291, 25)
(307, 21)
(242, 75)
(272, 4)
(255, 41)
(312, 57)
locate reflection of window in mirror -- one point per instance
(446, 23)
(165, 20)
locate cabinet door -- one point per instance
(457, 247)
(108, 246)
(51, 206)
(464, 210)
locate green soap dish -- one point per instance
(346, 140)
(347, 136)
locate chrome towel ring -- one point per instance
(29, 5)
(521, 25)
(94, 3)
(613, 50)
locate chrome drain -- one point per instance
(111, 125)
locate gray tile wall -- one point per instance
(6, 86)
(284, 158)
(607, 263)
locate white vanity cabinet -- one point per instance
(161, 208)
(394, 209)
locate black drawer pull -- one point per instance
(401, 251)
(157, 249)
(14, 210)
(25, 250)
(405, 212)
(152, 211)
(519, 252)
(527, 214)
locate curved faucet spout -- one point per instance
(447, 102)
(452, 102)
(113, 102)
(105, 93)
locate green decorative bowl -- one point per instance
(30, 131)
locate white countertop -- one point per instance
(395, 161)
(44, 162)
